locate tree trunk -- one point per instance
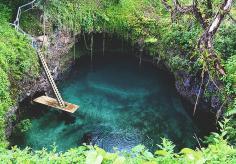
(206, 41)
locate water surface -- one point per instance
(121, 105)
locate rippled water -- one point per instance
(121, 105)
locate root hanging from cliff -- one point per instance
(91, 51)
(74, 45)
(199, 92)
(103, 43)
(85, 43)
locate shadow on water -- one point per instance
(121, 105)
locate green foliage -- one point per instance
(150, 40)
(31, 24)
(219, 150)
(225, 40)
(216, 138)
(179, 63)
(17, 55)
(24, 125)
(230, 130)
(182, 37)
(17, 59)
(4, 92)
(230, 79)
(123, 17)
(230, 83)
(167, 146)
(139, 154)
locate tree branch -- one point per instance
(224, 9)
(205, 42)
(166, 5)
(198, 15)
(182, 9)
(191, 9)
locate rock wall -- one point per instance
(188, 86)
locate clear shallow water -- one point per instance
(121, 105)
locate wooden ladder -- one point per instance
(57, 103)
(50, 79)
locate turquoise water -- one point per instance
(121, 105)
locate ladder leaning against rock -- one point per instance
(50, 79)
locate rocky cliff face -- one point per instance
(188, 86)
(58, 60)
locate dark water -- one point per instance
(121, 105)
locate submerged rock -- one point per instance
(87, 138)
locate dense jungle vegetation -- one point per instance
(198, 37)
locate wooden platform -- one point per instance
(45, 100)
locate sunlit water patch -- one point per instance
(121, 104)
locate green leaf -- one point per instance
(93, 157)
(119, 160)
(186, 151)
(230, 112)
(150, 40)
(161, 152)
(138, 148)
